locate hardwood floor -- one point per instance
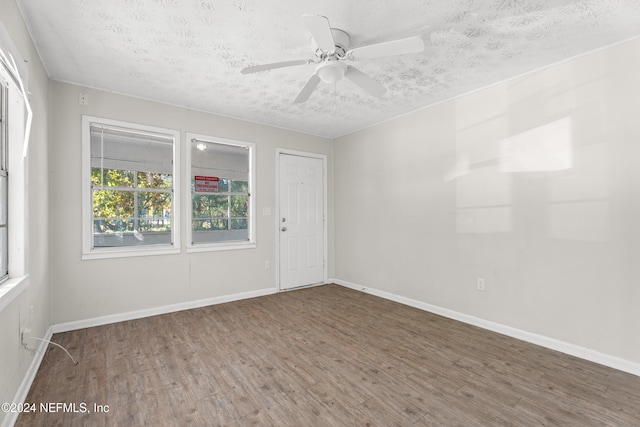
(323, 356)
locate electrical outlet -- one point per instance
(25, 334)
(480, 284)
(267, 265)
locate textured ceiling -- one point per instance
(190, 52)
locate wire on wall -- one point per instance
(75, 362)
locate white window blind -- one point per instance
(126, 149)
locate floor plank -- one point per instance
(322, 356)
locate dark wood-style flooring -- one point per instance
(322, 356)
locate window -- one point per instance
(130, 185)
(4, 187)
(221, 188)
(15, 125)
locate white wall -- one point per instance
(14, 359)
(94, 288)
(532, 184)
(424, 204)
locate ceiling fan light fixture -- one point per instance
(332, 50)
(332, 72)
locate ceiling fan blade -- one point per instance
(265, 67)
(390, 48)
(320, 29)
(365, 82)
(308, 88)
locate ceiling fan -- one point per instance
(332, 51)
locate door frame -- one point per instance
(325, 254)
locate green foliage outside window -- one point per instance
(125, 201)
(225, 210)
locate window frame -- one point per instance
(229, 244)
(4, 189)
(88, 250)
(17, 125)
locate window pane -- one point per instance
(111, 226)
(239, 187)
(155, 180)
(201, 224)
(154, 225)
(4, 258)
(3, 199)
(206, 206)
(217, 230)
(154, 212)
(111, 178)
(4, 243)
(113, 204)
(239, 224)
(224, 185)
(210, 224)
(239, 206)
(130, 234)
(154, 205)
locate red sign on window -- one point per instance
(207, 184)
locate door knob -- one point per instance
(284, 229)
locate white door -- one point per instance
(301, 222)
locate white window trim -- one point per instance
(11, 289)
(18, 280)
(88, 252)
(231, 245)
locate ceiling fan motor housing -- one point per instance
(342, 43)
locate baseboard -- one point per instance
(121, 317)
(541, 340)
(30, 375)
(27, 380)
(564, 347)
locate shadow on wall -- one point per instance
(540, 172)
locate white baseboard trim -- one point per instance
(541, 340)
(27, 380)
(30, 375)
(551, 343)
(121, 317)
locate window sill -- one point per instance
(11, 289)
(220, 247)
(126, 253)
